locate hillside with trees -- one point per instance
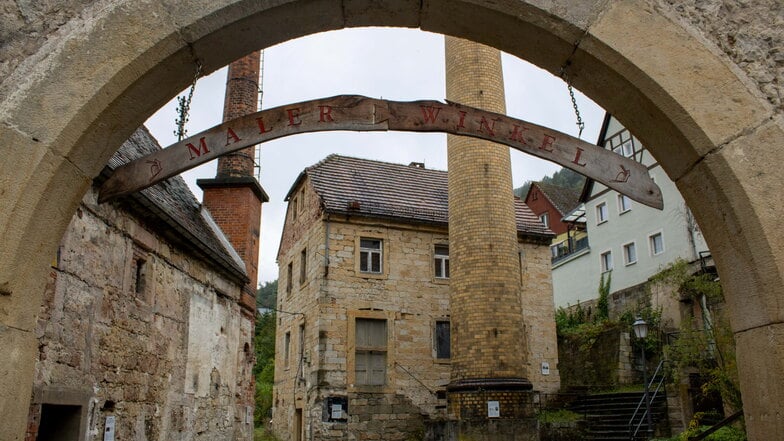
(562, 178)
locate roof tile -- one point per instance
(349, 185)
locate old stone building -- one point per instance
(363, 334)
(142, 333)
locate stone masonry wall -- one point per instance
(746, 32)
(538, 317)
(749, 33)
(166, 360)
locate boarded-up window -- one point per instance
(370, 364)
(443, 349)
(370, 255)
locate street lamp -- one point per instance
(641, 331)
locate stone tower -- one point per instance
(234, 196)
(489, 349)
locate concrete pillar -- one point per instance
(488, 356)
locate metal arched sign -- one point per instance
(359, 113)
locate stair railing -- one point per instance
(634, 430)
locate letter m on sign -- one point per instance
(202, 148)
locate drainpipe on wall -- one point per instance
(326, 249)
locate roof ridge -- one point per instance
(333, 156)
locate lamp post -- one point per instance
(641, 331)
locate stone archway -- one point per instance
(78, 82)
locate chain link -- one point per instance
(184, 106)
(580, 123)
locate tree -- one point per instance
(562, 178)
(707, 344)
(267, 295)
(264, 370)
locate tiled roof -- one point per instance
(563, 199)
(172, 203)
(364, 187)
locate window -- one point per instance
(442, 335)
(293, 206)
(139, 281)
(286, 347)
(289, 276)
(303, 266)
(607, 262)
(623, 144)
(630, 253)
(370, 364)
(302, 201)
(601, 213)
(139, 269)
(301, 341)
(656, 243)
(544, 218)
(624, 203)
(370, 255)
(60, 422)
(441, 261)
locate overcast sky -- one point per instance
(395, 64)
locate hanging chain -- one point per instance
(580, 123)
(184, 106)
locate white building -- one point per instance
(627, 239)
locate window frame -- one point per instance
(436, 353)
(651, 243)
(602, 213)
(294, 206)
(606, 265)
(441, 261)
(303, 266)
(624, 203)
(624, 144)
(626, 247)
(544, 218)
(368, 352)
(370, 252)
(289, 278)
(286, 350)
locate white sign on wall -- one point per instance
(337, 412)
(493, 409)
(108, 432)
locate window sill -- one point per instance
(601, 222)
(624, 212)
(630, 263)
(372, 275)
(367, 389)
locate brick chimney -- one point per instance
(489, 394)
(234, 196)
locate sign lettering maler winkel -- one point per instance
(359, 113)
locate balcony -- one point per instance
(567, 248)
